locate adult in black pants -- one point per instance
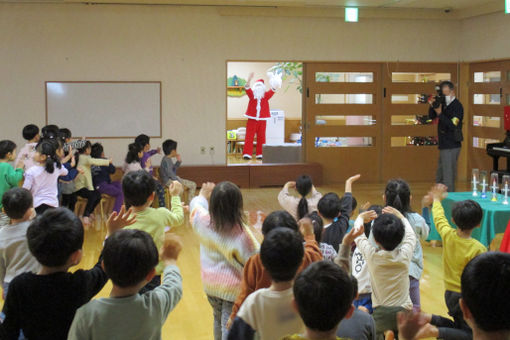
(449, 130)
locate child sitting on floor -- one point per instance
(298, 207)
(254, 274)
(336, 213)
(267, 313)
(323, 297)
(388, 264)
(43, 305)
(15, 258)
(458, 249)
(129, 260)
(168, 169)
(327, 250)
(139, 191)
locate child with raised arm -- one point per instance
(43, 305)
(15, 258)
(139, 191)
(336, 213)
(144, 142)
(458, 249)
(102, 181)
(388, 264)
(298, 207)
(129, 260)
(168, 169)
(9, 177)
(26, 153)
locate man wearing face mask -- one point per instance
(449, 130)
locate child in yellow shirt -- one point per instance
(458, 249)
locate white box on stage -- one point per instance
(275, 128)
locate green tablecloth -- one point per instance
(494, 221)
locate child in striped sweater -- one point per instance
(226, 243)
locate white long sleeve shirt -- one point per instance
(389, 270)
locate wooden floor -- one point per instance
(192, 318)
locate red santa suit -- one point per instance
(257, 114)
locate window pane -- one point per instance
(482, 98)
(342, 98)
(419, 77)
(487, 77)
(481, 143)
(408, 99)
(485, 121)
(413, 141)
(344, 120)
(343, 142)
(344, 77)
(410, 120)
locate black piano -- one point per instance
(497, 150)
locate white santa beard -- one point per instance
(259, 91)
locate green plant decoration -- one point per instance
(291, 71)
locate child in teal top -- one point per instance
(9, 177)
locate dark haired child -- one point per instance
(15, 258)
(323, 297)
(139, 191)
(43, 305)
(50, 131)
(9, 177)
(129, 260)
(398, 195)
(267, 313)
(144, 142)
(132, 160)
(336, 213)
(298, 207)
(101, 178)
(254, 274)
(458, 249)
(84, 185)
(360, 325)
(26, 153)
(388, 264)
(226, 244)
(327, 250)
(168, 169)
(42, 179)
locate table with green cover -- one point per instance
(494, 221)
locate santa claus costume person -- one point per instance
(258, 112)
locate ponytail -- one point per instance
(48, 147)
(303, 186)
(398, 195)
(302, 208)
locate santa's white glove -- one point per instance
(275, 80)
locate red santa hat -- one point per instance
(261, 81)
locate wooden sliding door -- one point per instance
(410, 139)
(489, 92)
(343, 119)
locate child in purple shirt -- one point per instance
(144, 142)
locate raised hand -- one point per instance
(290, 184)
(207, 189)
(305, 226)
(438, 192)
(368, 216)
(171, 249)
(392, 211)
(349, 181)
(117, 221)
(175, 188)
(353, 235)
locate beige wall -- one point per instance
(186, 48)
(485, 37)
(288, 98)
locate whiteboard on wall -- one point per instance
(105, 109)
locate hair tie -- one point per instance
(335, 220)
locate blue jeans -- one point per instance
(221, 311)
